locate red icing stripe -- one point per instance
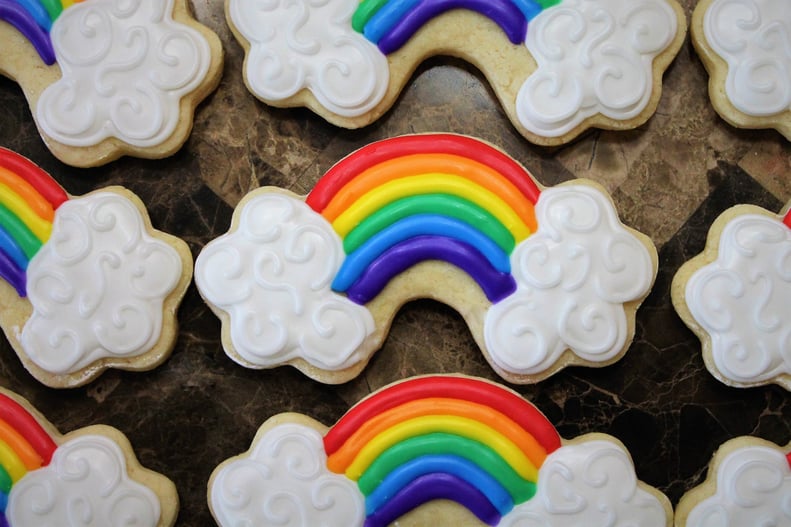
(787, 219)
(35, 175)
(463, 388)
(350, 166)
(20, 420)
(788, 458)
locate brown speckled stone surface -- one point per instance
(670, 179)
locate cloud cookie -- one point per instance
(445, 449)
(558, 67)
(88, 477)
(544, 278)
(87, 284)
(744, 45)
(107, 78)
(734, 297)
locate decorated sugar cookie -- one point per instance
(558, 67)
(87, 283)
(744, 45)
(87, 477)
(544, 278)
(106, 78)
(748, 483)
(735, 297)
(441, 450)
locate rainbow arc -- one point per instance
(34, 19)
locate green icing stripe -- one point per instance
(5, 480)
(518, 488)
(53, 7)
(549, 3)
(364, 12)
(444, 204)
(27, 241)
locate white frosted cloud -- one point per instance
(98, 285)
(741, 299)
(85, 484)
(594, 56)
(273, 277)
(125, 67)
(573, 277)
(310, 45)
(752, 36)
(589, 483)
(753, 488)
(284, 481)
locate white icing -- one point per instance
(753, 488)
(754, 38)
(310, 44)
(573, 277)
(285, 481)
(97, 286)
(590, 483)
(273, 276)
(594, 57)
(125, 66)
(741, 299)
(85, 485)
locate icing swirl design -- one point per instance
(125, 66)
(740, 299)
(754, 38)
(594, 57)
(97, 287)
(310, 44)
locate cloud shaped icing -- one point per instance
(752, 36)
(125, 66)
(573, 277)
(310, 45)
(753, 488)
(98, 285)
(284, 481)
(86, 483)
(594, 56)
(273, 277)
(588, 483)
(741, 298)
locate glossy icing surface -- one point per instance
(753, 37)
(740, 299)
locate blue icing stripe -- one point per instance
(529, 8)
(3, 502)
(387, 17)
(12, 249)
(38, 13)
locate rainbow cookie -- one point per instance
(744, 46)
(87, 477)
(438, 450)
(558, 67)
(748, 483)
(87, 283)
(544, 278)
(106, 78)
(734, 296)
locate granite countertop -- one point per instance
(669, 179)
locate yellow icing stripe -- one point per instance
(449, 424)
(66, 3)
(11, 462)
(432, 183)
(20, 208)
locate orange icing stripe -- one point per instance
(27, 454)
(28, 193)
(417, 164)
(485, 415)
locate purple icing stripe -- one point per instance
(503, 12)
(402, 256)
(18, 17)
(436, 486)
(13, 274)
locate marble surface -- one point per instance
(670, 178)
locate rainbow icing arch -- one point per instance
(34, 19)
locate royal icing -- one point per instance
(97, 287)
(573, 277)
(753, 37)
(311, 45)
(125, 66)
(753, 488)
(85, 484)
(740, 299)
